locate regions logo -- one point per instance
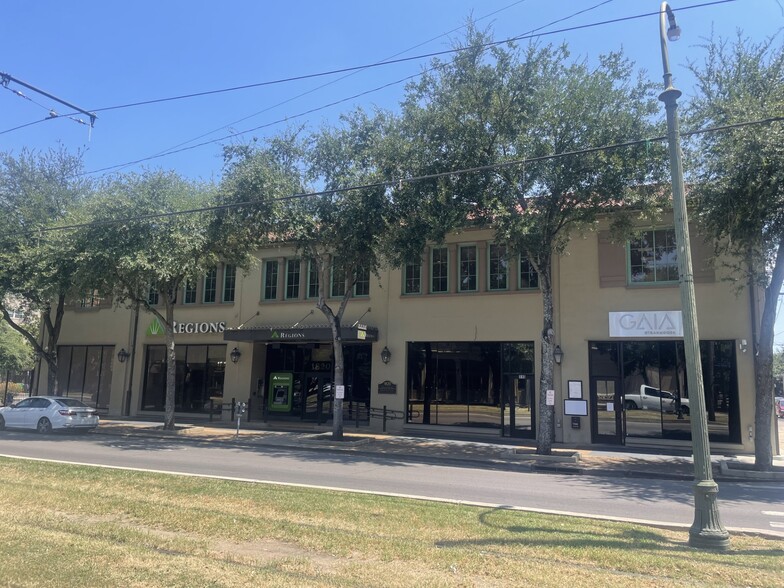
(155, 328)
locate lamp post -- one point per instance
(707, 530)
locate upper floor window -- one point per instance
(270, 291)
(529, 279)
(292, 278)
(210, 285)
(90, 299)
(189, 296)
(152, 296)
(362, 283)
(229, 283)
(412, 278)
(497, 267)
(338, 286)
(468, 268)
(313, 277)
(653, 257)
(439, 270)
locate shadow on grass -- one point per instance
(613, 536)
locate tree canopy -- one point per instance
(38, 266)
(534, 128)
(738, 184)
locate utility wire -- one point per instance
(523, 37)
(175, 148)
(415, 179)
(174, 151)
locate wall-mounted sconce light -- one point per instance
(743, 345)
(558, 354)
(235, 355)
(123, 355)
(386, 354)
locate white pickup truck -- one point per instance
(651, 398)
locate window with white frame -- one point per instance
(497, 267)
(529, 279)
(270, 290)
(653, 257)
(292, 278)
(189, 294)
(229, 283)
(439, 270)
(468, 269)
(210, 286)
(412, 278)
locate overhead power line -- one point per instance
(414, 179)
(523, 37)
(528, 35)
(324, 85)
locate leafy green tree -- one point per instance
(339, 230)
(490, 108)
(738, 182)
(38, 268)
(139, 247)
(16, 354)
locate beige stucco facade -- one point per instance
(582, 307)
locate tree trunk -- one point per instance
(171, 366)
(763, 417)
(337, 406)
(546, 425)
(51, 375)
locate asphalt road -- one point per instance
(757, 506)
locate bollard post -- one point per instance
(384, 420)
(233, 407)
(212, 408)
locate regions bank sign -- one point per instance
(646, 324)
(156, 328)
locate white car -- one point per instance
(48, 413)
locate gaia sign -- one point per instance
(658, 323)
(156, 328)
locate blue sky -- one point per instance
(98, 54)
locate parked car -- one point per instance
(48, 413)
(651, 398)
(778, 404)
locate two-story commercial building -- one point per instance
(450, 344)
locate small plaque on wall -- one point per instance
(387, 387)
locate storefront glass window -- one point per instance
(84, 372)
(199, 377)
(487, 385)
(655, 392)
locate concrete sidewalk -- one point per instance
(501, 454)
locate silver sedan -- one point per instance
(48, 413)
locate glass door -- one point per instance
(520, 408)
(317, 404)
(606, 411)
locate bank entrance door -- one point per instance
(607, 411)
(317, 404)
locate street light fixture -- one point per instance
(707, 530)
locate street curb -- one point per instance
(508, 461)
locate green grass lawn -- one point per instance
(81, 526)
